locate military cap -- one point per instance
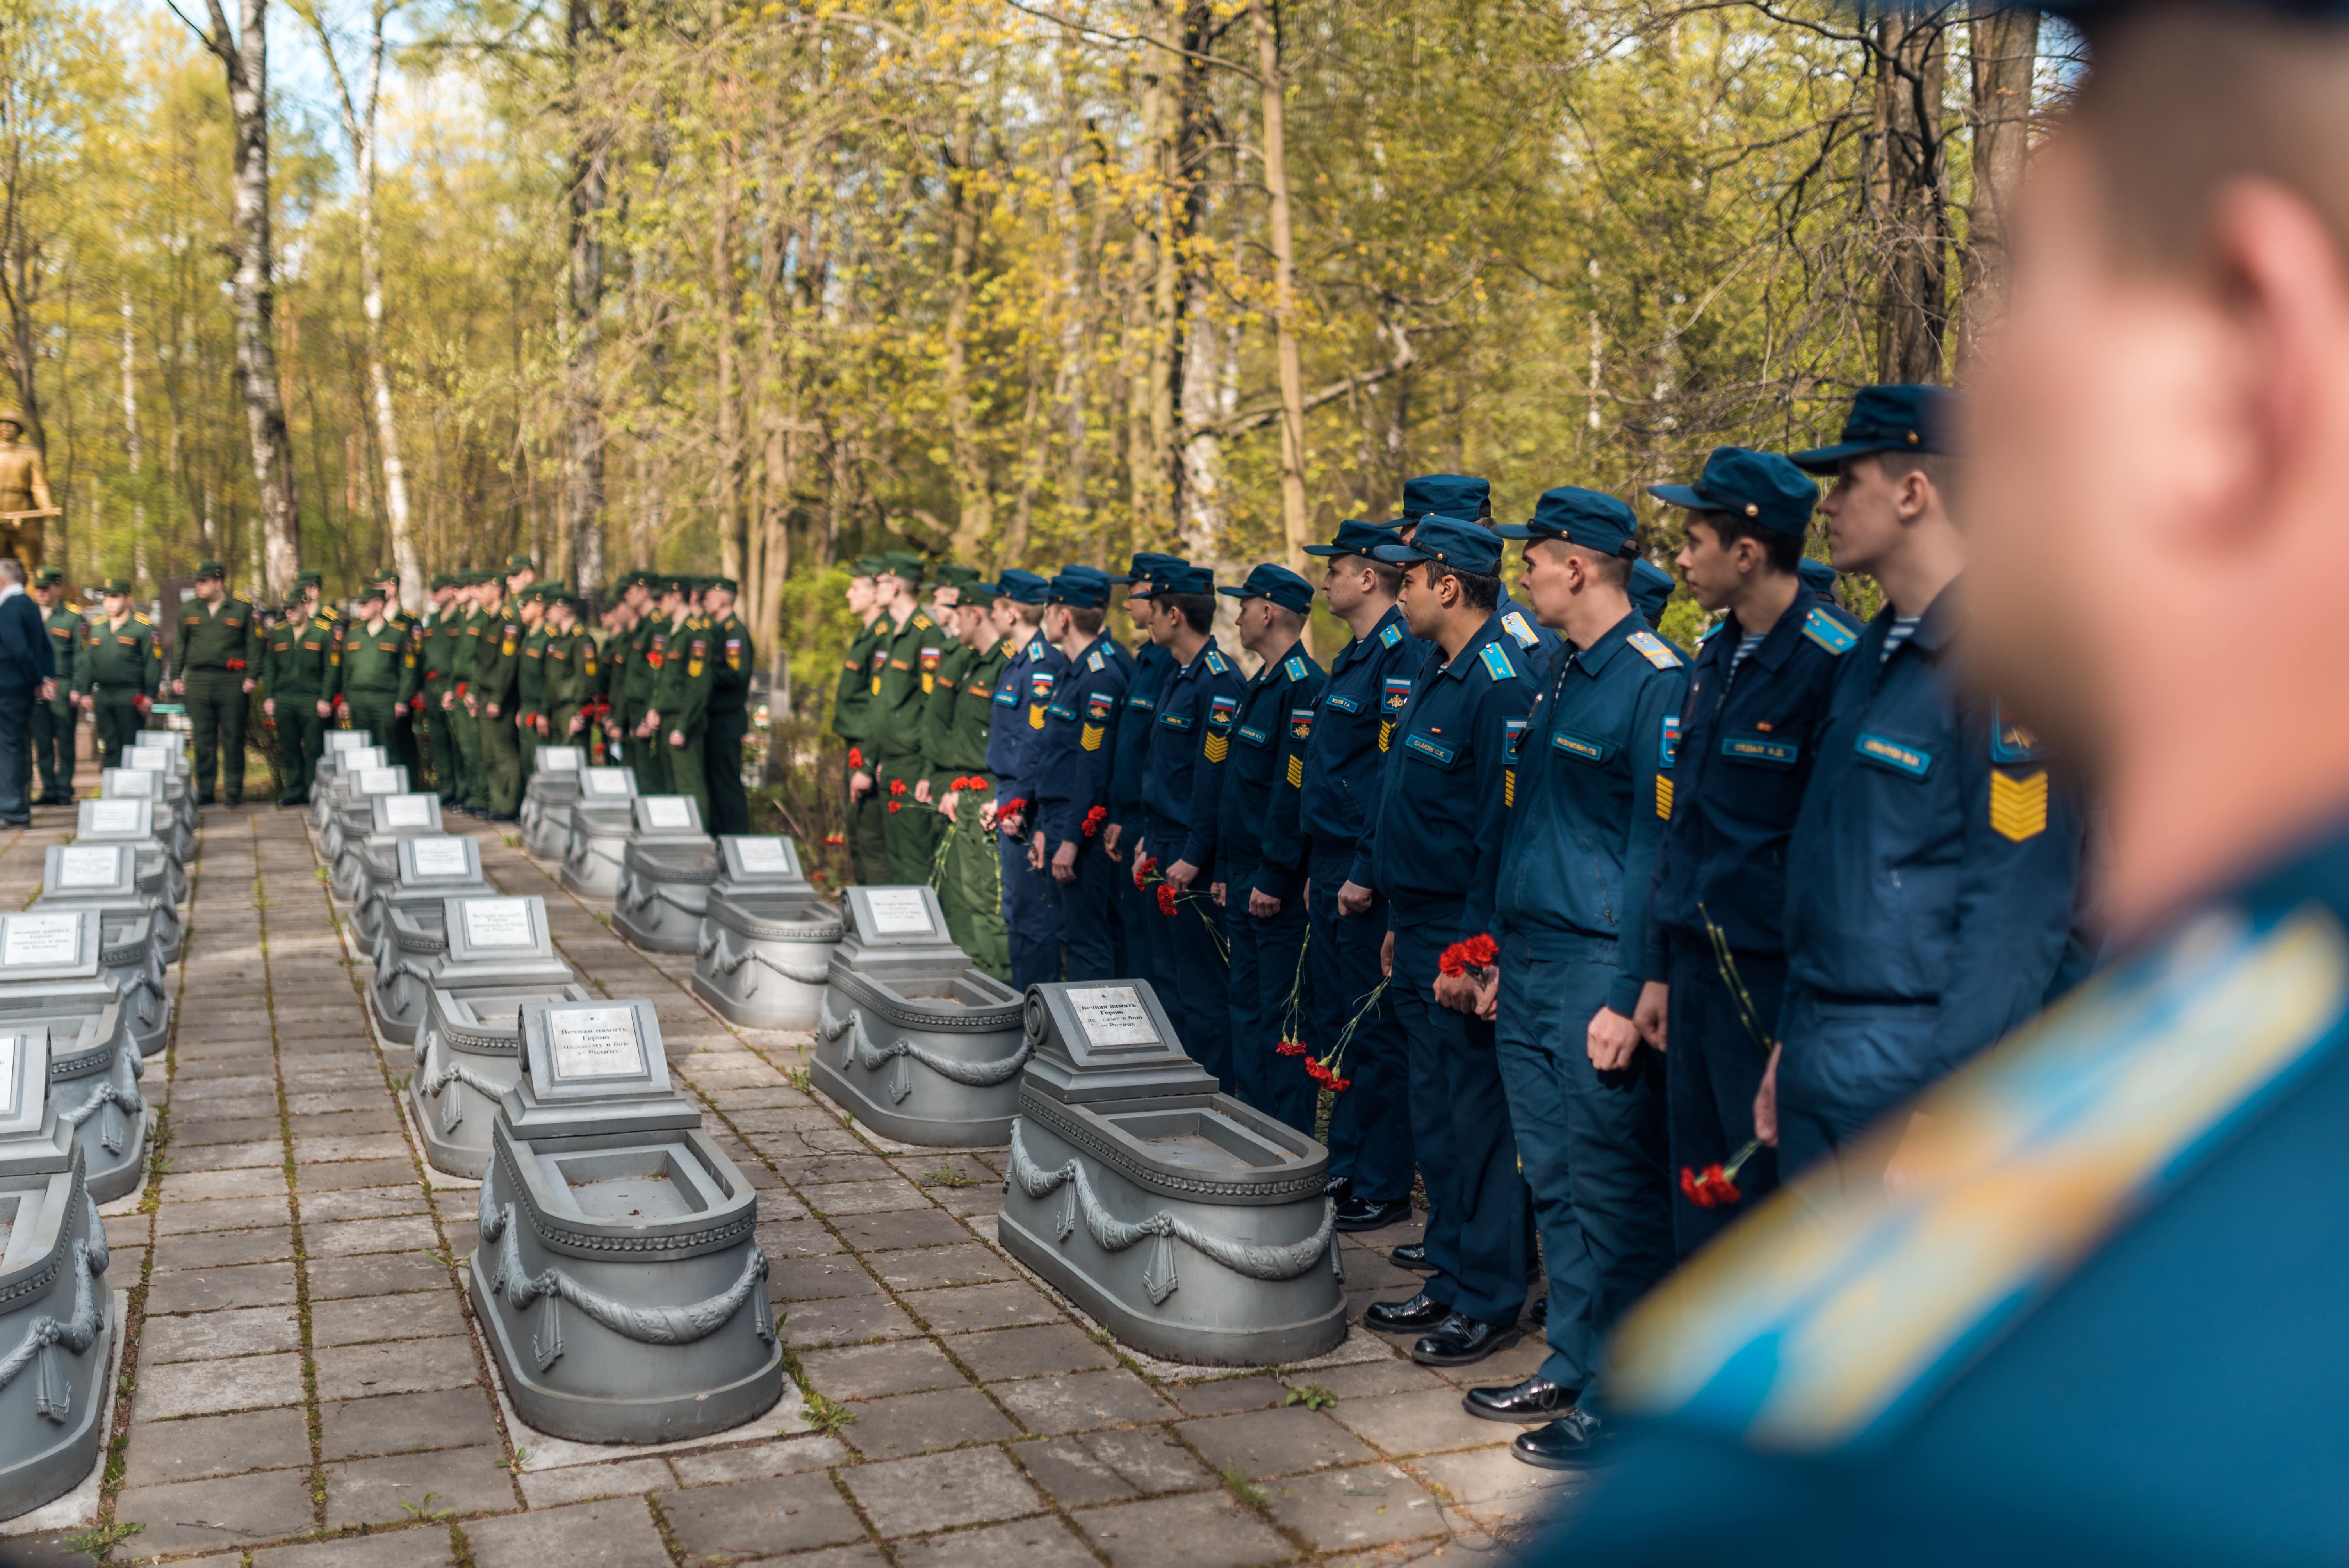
(116, 585)
(1355, 536)
(443, 579)
(1651, 587)
(980, 594)
(1463, 546)
(1277, 583)
(1146, 562)
(1760, 487)
(1184, 580)
(726, 584)
(954, 574)
(1085, 587)
(1446, 495)
(871, 566)
(310, 578)
(46, 575)
(902, 564)
(385, 574)
(1816, 576)
(1021, 587)
(1590, 519)
(1902, 418)
(520, 562)
(371, 594)
(671, 585)
(210, 569)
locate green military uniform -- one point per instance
(367, 676)
(465, 728)
(969, 877)
(648, 757)
(117, 666)
(53, 721)
(682, 700)
(531, 688)
(732, 658)
(299, 673)
(852, 720)
(436, 637)
(217, 651)
(404, 747)
(908, 674)
(572, 674)
(497, 685)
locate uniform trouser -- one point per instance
(298, 744)
(1137, 917)
(1460, 1123)
(440, 735)
(216, 702)
(868, 850)
(1369, 1124)
(1842, 1066)
(378, 713)
(721, 773)
(1712, 1072)
(1193, 959)
(1031, 918)
(398, 737)
(1085, 912)
(53, 747)
(502, 762)
(465, 733)
(526, 738)
(685, 770)
(1592, 1146)
(1267, 1000)
(910, 833)
(970, 892)
(649, 758)
(16, 755)
(558, 732)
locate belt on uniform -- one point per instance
(1867, 1007)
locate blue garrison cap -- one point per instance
(1086, 587)
(1184, 580)
(1817, 576)
(1446, 495)
(1021, 587)
(1651, 586)
(1897, 418)
(1355, 536)
(1277, 583)
(1146, 562)
(1464, 546)
(1760, 487)
(1590, 519)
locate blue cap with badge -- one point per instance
(1464, 546)
(1184, 580)
(1591, 518)
(1902, 418)
(1760, 487)
(1355, 536)
(1145, 563)
(1651, 589)
(1277, 583)
(1083, 587)
(1446, 495)
(1021, 587)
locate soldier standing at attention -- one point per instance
(295, 684)
(529, 702)
(852, 720)
(366, 677)
(909, 672)
(496, 691)
(1128, 817)
(1071, 772)
(649, 757)
(733, 657)
(402, 748)
(946, 689)
(970, 875)
(118, 672)
(54, 718)
(213, 670)
(1018, 714)
(573, 671)
(464, 723)
(433, 641)
(678, 719)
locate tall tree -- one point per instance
(1912, 301)
(2002, 44)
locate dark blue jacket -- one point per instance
(1321, 823)
(1745, 754)
(1434, 842)
(1018, 715)
(1594, 785)
(1073, 754)
(1131, 739)
(1190, 740)
(1277, 702)
(1937, 856)
(25, 659)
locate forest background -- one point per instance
(755, 288)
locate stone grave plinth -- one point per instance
(547, 799)
(353, 815)
(50, 979)
(105, 877)
(371, 859)
(665, 876)
(176, 834)
(765, 959)
(595, 847)
(618, 1279)
(1193, 1227)
(911, 1038)
(132, 823)
(469, 945)
(346, 750)
(468, 1056)
(178, 792)
(57, 1326)
(426, 871)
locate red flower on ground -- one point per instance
(1166, 898)
(1095, 819)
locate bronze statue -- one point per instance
(24, 493)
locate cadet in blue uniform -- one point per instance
(1021, 694)
(1929, 882)
(1585, 1094)
(1318, 827)
(1264, 905)
(1434, 843)
(1757, 699)
(1817, 575)
(1650, 588)
(1465, 496)
(1181, 784)
(1071, 771)
(1128, 819)
(2095, 1319)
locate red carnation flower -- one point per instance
(1715, 1186)
(818, 876)
(1095, 819)
(1340, 1085)
(1290, 1046)
(1143, 869)
(896, 786)
(895, 808)
(1166, 898)
(857, 756)
(1480, 950)
(1451, 962)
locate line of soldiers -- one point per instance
(1555, 907)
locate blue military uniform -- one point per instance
(1594, 772)
(1182, 780)
(1267, 954)
(1750, 738)
(1021, 694)
(1434, 845)
(1318, 828)
(1468, 498)
(1651, 589)
(1130, 743)
(1070, 779)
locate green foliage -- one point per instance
(1313, 1397)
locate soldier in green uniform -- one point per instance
(530, 704)
(646, 754)
(215, 663)
(970, 870)
(54, 720)
(680, 716)
(403, 749)
(908, 673)
(367, 676)
(433, 645)
(472, 792)
(734, 658)
(298, 685)
(118, 671)
(624, 624)
(573, 671)
(496, 688)
(938, 709)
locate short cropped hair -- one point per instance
(1784, 552)
(1197, 610)
(1477, 591)
(1086, 618)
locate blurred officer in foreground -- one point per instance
(54, 717)
(1071, 772)
(1981, 1360)
(1131, 742)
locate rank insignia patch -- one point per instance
(2018, 807)
(1671, 747)
(1294, 667)
(1223, 710)
(1389, 634)
(1658, 652)
(1663, 797)
(1398, 693)
(1300, 722)
(2011, 742)
(1296, 771)
(1215, 747)
(1496, 661)
(1515, 623)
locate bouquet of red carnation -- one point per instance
(1715, 1186)
(1290, 1045)
(1095, 819)
(895, 807)
(1477, 952)
(836, 841)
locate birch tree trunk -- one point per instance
(1296, 525)
(1912, 299)
(974, 493)
(2004, 45)
(582, 436)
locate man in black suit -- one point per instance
(27, 672)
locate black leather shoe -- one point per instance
(501, 816)
(1538, 1314)
(1533, 1400)
(1412, 1256)
(1574, 1440)
(1406, 1317)
(201, 800)
(234, 801)
(285, 800)
(1337, 1188)
(1362, 1214)
(1461, 1340)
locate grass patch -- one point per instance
(827, 1415)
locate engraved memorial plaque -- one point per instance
(345, 739)
(440, 858)
(608, 781)
(407, 812)
(899, 911)
(116, 816)
(763, 857)
(668, 811)
(596, 1043)
(148, 759)
(12, 1052)
(130, 782)
(38, 941)
(497, 923)
(87, 866)
(381, 781)
(1114, 1016)
(558, 760)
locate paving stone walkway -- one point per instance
(304, 1388)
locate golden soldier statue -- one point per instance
(24, 492)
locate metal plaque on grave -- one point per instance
(54, 944)
(116, 818)
(89, 872)
(668, 814)
(335, 740)
(496, 930)
(762, 863)
(407, 813)
(607, 784)
(558, 760)
(129, 784)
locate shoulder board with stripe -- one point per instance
(1094, 662)
(1389, 634)
(921, 622)
(1658, 651)
(1830, 633)
(1218, 663)
(1295, 667)
(1496, 662)
(1517, 628)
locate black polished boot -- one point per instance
(1460, 1341)
(1406, 1317)
(1573, 1441)
(1412, 1256)
(1364, 1214)
(1534, 1400)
